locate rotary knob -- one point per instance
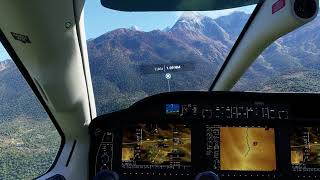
(105, 158)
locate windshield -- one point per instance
(290, 64)
(138, 54)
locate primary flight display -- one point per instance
(156, 144)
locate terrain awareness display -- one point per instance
(247, 149)
(241, 148)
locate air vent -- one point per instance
(305, 8)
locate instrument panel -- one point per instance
(237, 135)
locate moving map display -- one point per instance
(305, 149)
(156, 145)
(243, 148)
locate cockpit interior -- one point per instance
(204, 133)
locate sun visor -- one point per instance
(175, 5)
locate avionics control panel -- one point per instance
(236, 135)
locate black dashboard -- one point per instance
(237, 135)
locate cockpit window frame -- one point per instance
(15, 58)
(235, 46)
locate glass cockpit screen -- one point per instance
(242, 148)
(305, 149)
(156, 145)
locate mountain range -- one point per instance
(116, 58)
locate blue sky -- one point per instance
(3, 53)
(99, 20)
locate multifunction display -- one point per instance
(242, 148)
(305, 149)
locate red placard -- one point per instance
(277, 6)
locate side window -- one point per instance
(291, 64)
(29, 141)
